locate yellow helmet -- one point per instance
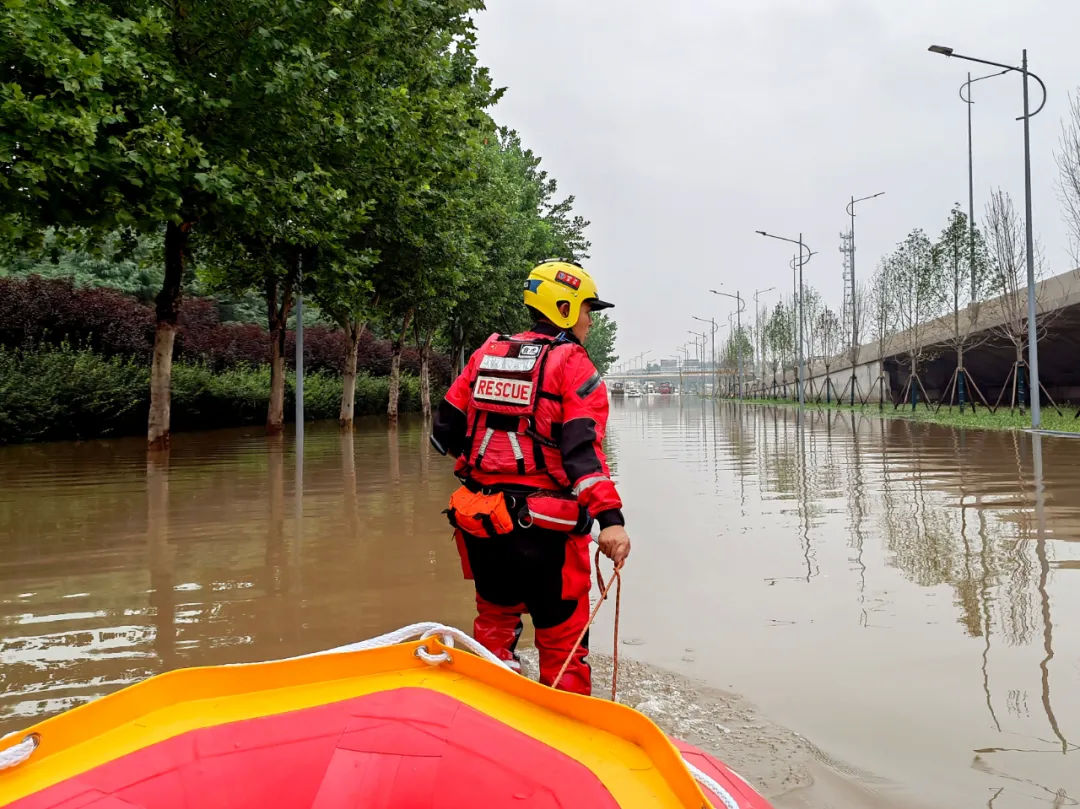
(555, 281)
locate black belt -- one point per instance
(500, 488)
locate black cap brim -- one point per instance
(595, 305)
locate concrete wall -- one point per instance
(988, 357)
(866, 380)
(867, 387)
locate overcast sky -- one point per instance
(684, 126)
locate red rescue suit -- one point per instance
(528, 415)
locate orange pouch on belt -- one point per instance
(479, 514)
(556, 513)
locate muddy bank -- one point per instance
(782, 765)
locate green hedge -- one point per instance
(62, 392)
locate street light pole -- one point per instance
(804, 254)
(802, 359)
(697, 334)
(712, 349)
(1033, 346)
(685, 353)
(968, 102)
(854, 297)
(738, 335)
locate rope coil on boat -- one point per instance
(18, 753)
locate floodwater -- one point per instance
(900, 600)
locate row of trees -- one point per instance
(336, 148)
(959, 276)
(920, 281)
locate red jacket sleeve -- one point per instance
(585, 413)
(448, 427)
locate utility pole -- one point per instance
(738, 335)
(300, 353)
(849, 278)
(712, 355)
(1033, 344)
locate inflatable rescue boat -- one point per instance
(382, 724)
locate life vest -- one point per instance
(503, 436)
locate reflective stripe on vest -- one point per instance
(588, 482)
(483, 446)
(519, 456)
(507, 386)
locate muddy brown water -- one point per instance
(897, 604)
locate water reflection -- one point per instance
(988, 518)
(897, 592)
(232, 547)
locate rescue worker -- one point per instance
(525, 420)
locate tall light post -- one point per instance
(971, 175)
(699, 347)
(685, 353)
(804, 253)
(712, 349)
(738, 337)
(700, 354)
(968, 102)
(1033, 346)
(854, 311)
(759, 348)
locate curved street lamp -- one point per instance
(712, 341)
(804, 254)
(971, 178)
(738, 344)
(1033, 346)
(850, 208)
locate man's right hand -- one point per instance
(614, 543)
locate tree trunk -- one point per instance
(1021, 388)
(275, 413)
(395, 370)
(457, 350)
(348, 376)
(278, 306)
(425, 376)
(914, 391)
(167, 311)
(960, 375)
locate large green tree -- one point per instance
(85, 140)
(960, 253)
(601, 342)
(916, 298)
(91, 136)
(780, 337)
(518, 220)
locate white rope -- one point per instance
(447, 634)
(711, 784)
(18, 753)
